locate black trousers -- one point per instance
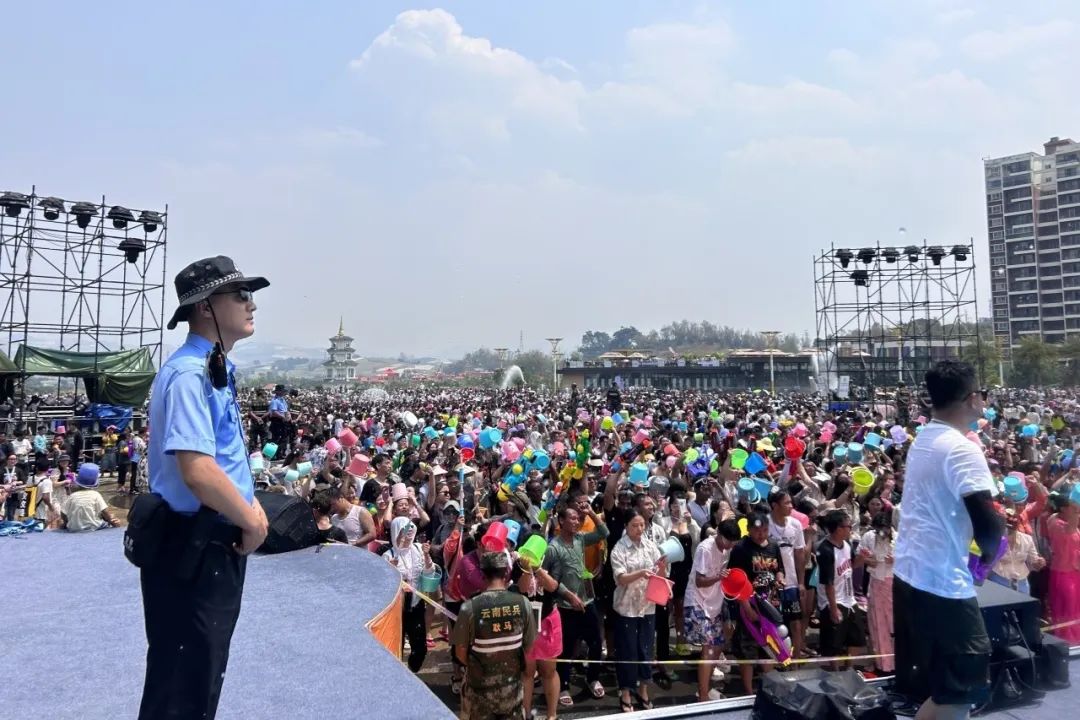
(122, 471)
(414, 624)
(663, 633)
(189, 626)
(577, 626)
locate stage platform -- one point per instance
(1054, 705)
(75, 642)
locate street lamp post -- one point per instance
(770, 340)
(555, 355)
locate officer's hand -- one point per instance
(254, 536)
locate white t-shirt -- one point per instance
(44, 486)
(935, 530)
(790, 538)
(83, 510)
(709, 560)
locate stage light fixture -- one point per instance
(890, 254)
(867, 255)
(960, 252)
(150, 220)
(51, 207)
(861, 278)
(844, 256)
(935, 253)
(120, 216)
(14, 203)
(83, 211)
(912, 252)
(133, 248)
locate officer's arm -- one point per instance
(213, 488)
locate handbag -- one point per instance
(148, 525)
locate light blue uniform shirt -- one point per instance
(278, 404)
(188, 413)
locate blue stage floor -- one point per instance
(75, 643)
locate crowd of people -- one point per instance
(46, 466)
(644, 526)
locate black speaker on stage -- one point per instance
(1053, 663)
(292, 526)
(815, 694)
(1011, 617)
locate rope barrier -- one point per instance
(727, 661)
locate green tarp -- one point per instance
(6, 366)
(117, 378)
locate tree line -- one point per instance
(682, 335)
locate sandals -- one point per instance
(597, 689)
(626, 706)
(565, 700)
(645, 704)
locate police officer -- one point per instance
(491, 636)
(198, 466)
(279, 419)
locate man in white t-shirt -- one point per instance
(788, 534)
(942, 649)
(703, 605)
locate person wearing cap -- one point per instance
(199, 468)
(758, 556)
(84, 509)
(493, 632)
(279, 418)
(942, 648)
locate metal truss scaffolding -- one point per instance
(80, 276)
(886, 314)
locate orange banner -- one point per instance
(386, 626)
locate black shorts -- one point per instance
(849, 633)
(791, 605)
(945, 642)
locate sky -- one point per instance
(447, 176)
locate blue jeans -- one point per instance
(634, 638)
(1017, 585)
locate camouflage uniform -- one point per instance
(497, 627)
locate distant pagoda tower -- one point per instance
(340, 367)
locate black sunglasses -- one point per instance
(244, 294)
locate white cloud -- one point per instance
(989, 45)
(425, 61)
(682, 155)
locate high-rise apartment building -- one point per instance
(1033, 221)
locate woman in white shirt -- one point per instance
(1019, 560)
(633, 559)
(876, 547)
